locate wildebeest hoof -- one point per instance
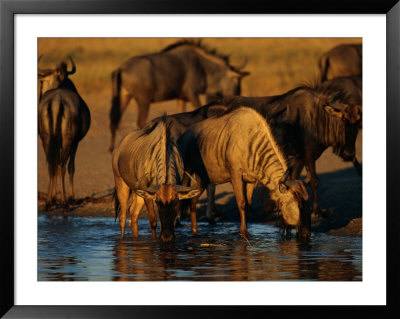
(47, 207)
(71, 201)
(211, 221)
(245, 234)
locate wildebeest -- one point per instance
(315, 118)
(148, 165)
(342, 60)
(182, 70)
(239, 147)
(63, 121)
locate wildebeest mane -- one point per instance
(199, 44)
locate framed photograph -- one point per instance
(51, 270)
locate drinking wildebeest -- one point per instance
(239, 147)
(315, 118)
(182, 71)
(64, 120)
(342, 60)
(148, 165)
(178, 127)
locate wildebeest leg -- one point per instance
(181, 105)
(210, 203)
(249, 195)
(193, 219)
(52, 181)
(116, 114)
(61, 172)
(71, 171)
(312, 175)
(134, 210)
(122, 190)
(144, 107)
(152, 217)
(238, 189)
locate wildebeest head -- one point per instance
(226, 81)
(293, 205)
(350, 115)
(54, 78)
(167, 198)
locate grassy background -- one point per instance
(276, 64)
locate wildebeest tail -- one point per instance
(115, 113)
(323, 67)
(55, 113)
(117, 205)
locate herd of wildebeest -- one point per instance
(172, 159)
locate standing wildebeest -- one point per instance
(64, 120)
(182, 71)
(342, 60)
(148, 165)
(315, 118)
(239, 147)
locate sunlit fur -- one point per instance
(148, 165)
(240, 146)
(183, 71)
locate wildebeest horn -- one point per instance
(194, 181)
(185, 192)
(73, 66)
(282, 182)
(148, 192)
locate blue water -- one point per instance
(82, 249)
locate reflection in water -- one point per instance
(89, 249)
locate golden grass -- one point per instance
(276, 64)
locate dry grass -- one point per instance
(276, 64)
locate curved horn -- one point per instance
(148, 192)
(73, 66)
(194, 181)
(185, 192)
(283, 187)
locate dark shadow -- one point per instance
(340, 198)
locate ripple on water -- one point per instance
(79, 248)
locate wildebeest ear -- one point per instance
(145, 194)
(216, 110)
(244, 73)
(330, 110)
(283, 188)
(189, 193)
(352, 113)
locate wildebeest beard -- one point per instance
(168, 213)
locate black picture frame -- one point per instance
(8, 10)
